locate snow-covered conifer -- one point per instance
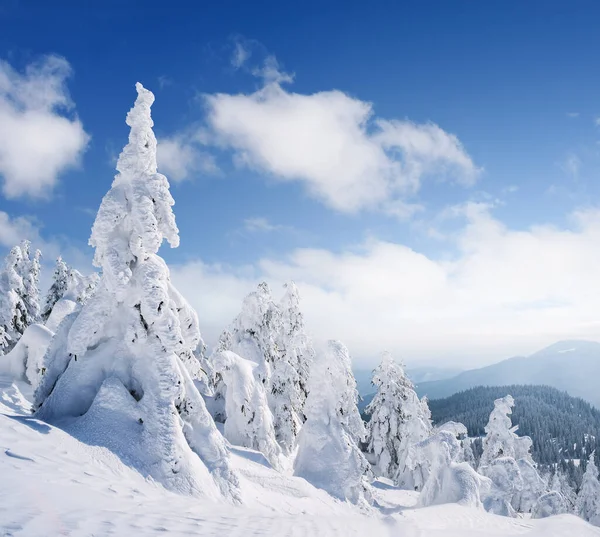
(274, 338)
(445, 480)
(587, 505)
(560, 483)
(4, 340)
(549, 504)
(13, 310)
(499, 440)
(29, 270)
(60, 282)
(249, 420)
(328, 455)
(399, 420)
(115, 369)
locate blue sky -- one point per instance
(510, 87)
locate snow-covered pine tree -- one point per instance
(295, 342)
(274, 338)
(249, 420)
(507, 461)
(13, 310)
(328, 454)
(499, 440)
(560, 483)
(4, 340)
(60, 282)
(115, 369)
(29, 270)
(399, 420)
(587, 505)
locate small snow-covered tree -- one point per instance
(4, 340)
(14, 317)
(549, 504)
(249, 420)
(399, 420)
(515, 472)
(445, 480)
(60, 282)
(499, 440)
(560, 483)
(587, 505)
(118, 363)
(328, 454)
(29, 270)
(274, 338)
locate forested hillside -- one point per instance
(561, 426)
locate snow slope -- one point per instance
(52, 484)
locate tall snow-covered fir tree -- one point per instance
(60, 282)
(587, 505)
(399, 421)
(116, 369)
(328, 454)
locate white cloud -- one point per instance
(14, 230)
(504, 292)
(260, 224)
(38, 140)
(572, 114)
(571, 166)
(597, 121)
(333, 144)
(179, 158)
(240, 55)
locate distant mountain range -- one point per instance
(572, 366)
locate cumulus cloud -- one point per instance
(333, 143)
(39, 136)
(14, 230)
(502, 292)
(179, 158)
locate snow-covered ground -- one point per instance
(51, 484)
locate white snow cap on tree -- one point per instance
(115, 369)
(588, 499)
(328, 455)
(60, 283)
(399, 420)
(249, 420)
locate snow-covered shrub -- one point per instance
(125, 347)
(506, 483)
(587, 505)
(25, 360)
(443, 479)
(533, 487)
(328, 455)
(560, 483)
(399, 420)
(549, 504)
(249, 420)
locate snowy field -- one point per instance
(53, 484)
